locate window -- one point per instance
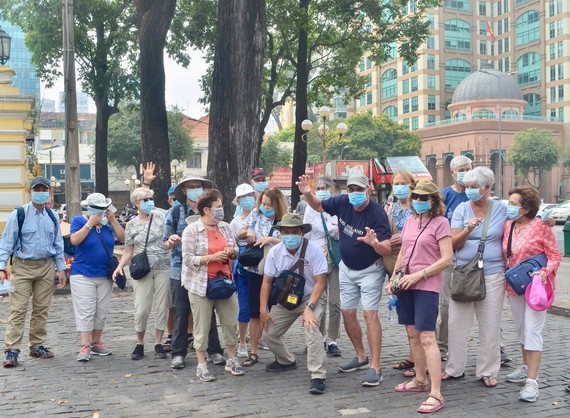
(406, 106)
(561, 71)
(369, 80)
(561, 114)
(406, 86)
(507, 64)
(431, 62)
(552, 94)
(483, 47)
(519, 2)
(506, 24)
(431, 21)
(392, 51)
(406, 123)
(457, 35)
(559, 6)
(362, 64)
(560, 49)
(362, 100)
(552, 113)
(551, 30)
(431, 101)
(430, 42)
(455, 71)
(415, 104)
(389, 84)
(506, 5)
(414, 123)
(482, 27)
(499, 27)
(500, 65)
(195, 161)
(528, 27)
(507, 44)
(431, 118)
(533, 107)
(499, 8)
(560, 93)
(551, 8)
(415, 83)
(391, 112)
(552, 49)
(500, 47)
(431, 82)
(483, 9)
(462, 5)
(368, 63)
(560, 27)
(484, 114)
(528, 67)
(369, 98)
(552, 73)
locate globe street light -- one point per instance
(323, 130)
(5, 47)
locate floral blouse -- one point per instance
(399, 215)
(135, 234)
(531, 239)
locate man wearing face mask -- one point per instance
(187, 193)
(284, 256)
(364, 237)
(37, 250)
(259, 180)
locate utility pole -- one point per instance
(72, 164)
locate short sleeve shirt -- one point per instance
(493, 253)
(427, 248)
(452, 200)
(235, 226)
(355, 254)
(91, 259)
(135, 234)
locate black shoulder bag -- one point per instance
(140, 266)
(288, 287)
(112, 264)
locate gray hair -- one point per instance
(483, 176)
(140, 193)
(326, 180)
(459, 161)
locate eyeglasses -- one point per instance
(147, 199)
(420, 197)
(320, 188)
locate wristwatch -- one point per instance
(311, 306)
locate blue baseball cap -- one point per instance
(171, 190)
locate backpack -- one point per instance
(288, 287)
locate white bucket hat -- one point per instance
(242, 190)
(96, 201)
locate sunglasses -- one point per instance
(420, 197)
(147, 199)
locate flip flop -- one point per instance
(446, 376)
(404, 365)
(432, 408)
(489, 381)
(251, 360)
(419, 387)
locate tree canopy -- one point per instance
(534, 152)
(273, 155)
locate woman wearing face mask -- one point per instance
(208, 247)
(245, 201)
(401, 208)
(425, 252)
(154, 288)
(467, 227)
(258, 230)
(94, 236)
(530, 237)
(324, 188)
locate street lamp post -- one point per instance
(175, 163)
(133, 182)
(342, 151)
(324, 113)
(5, 47)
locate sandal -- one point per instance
(418, 386)
(489, 381)
(404, 365)
(251, 360)
(446, 376)
(429, 408)
(412, 372)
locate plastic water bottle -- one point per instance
(6, 287)
(392, 304)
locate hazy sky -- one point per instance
(182, 86)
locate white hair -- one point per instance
(140, 193)
(483, 176)
(459, 161)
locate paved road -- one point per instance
(116, 386)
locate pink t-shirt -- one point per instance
(427, 249)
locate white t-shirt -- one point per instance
(235, 226)
(317, 233)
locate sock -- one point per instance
(532, 381)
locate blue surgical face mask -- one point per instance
(460, 177)
(401, 191)
(291, 242)
(323, 194)
(513, 212)
(194, 194)
(104, 221)
(40, 198)
(260, 185)
(473, 194)
(247, 202)
(357, 198)
(93, 211)
(421, 207)
(147, 207)
(267, 212)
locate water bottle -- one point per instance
(392, 304)
(6, 287)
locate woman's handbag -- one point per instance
(520, 276)
(332, 245)
(112, 264)
(288, 288)
(251, 256)
(140, 266)
(220, 288)
(468, 282)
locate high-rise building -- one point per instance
(527, 39)
(26, 78)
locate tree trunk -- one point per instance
(301, 104)
(234, 132)
(155, 18)
(104, 112)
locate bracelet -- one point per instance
(89, 227)
(146, 184)
(425, 274)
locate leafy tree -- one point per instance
(125, 146)
(105, 48)
(273, 156)
(534, 152)
(567, 158)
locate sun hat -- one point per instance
(427, 187)
(258, 173)
(242, 190)
(293, 220)
(539, 299)
(96, 201)
(358, 180)
(39, 180)
(180, 196)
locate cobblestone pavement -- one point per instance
(116, 386)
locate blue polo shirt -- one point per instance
(355, 254)
(452, 200)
